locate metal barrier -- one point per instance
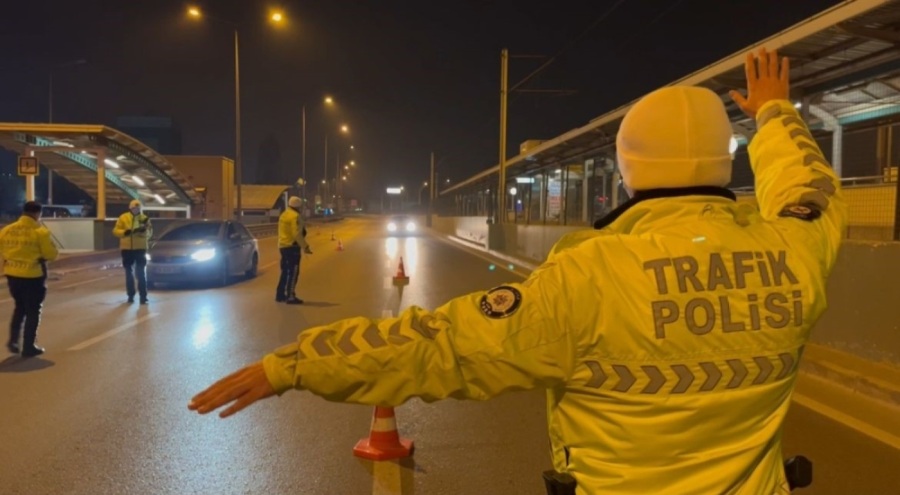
(261, 230)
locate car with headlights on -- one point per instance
(212, 251)
(401, 225)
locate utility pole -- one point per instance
(504, 85)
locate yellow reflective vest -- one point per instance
(127, 222)
(291, 229)
(23, 245)
(668, 341)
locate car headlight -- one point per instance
(204, 254)
(147, 255)
(410, 227)
(392, 227)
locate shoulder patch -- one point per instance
(800, 211)
(501, 302)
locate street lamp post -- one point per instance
(277, 17)
(50, 116)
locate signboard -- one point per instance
(28, 165)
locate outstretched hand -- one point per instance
(243, 387)
(767, 79)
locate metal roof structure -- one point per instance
(132, 169)
(845, 67)
(261, 197)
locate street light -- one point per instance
(424, 185)
(50, 116)
(329, 101)
(195, 13)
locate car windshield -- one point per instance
(193, 232)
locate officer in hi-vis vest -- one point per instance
(134, 230)
(26, 247)
(668, 339)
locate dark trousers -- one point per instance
(135, 263)
(29, 294)
(290, 273)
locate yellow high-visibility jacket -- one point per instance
(23, 245)
(668, 341)
(127, 222)
(291, 229)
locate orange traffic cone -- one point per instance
(400, 277)
(340, 246)
(384, 442)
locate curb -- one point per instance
(879, 381)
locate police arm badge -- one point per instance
(500, 302)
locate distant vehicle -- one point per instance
(50, 211)
(203, 250)
(401, 225)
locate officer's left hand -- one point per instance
(243, 387)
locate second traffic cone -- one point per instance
(340, 246)
(384, 442)
(401, 277)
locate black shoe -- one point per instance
(145, 301)
(13, 347)
(130, 299)
(33, 351)
(280, 299)
(294, 300)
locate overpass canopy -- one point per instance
(845, 69)
(132, 169)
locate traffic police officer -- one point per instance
(291, 239)
(668, 339)
(26, 248)
(134, 230)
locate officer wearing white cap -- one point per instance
(291, 240)
(26, 247)
(668, 339)
(134, 230)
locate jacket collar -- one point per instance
(640, 196)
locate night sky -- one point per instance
(409, 77)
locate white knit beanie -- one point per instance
(676, 136)
(295, 202)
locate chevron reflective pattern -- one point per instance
(699, 376)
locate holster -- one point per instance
(559, 483)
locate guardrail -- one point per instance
(263, 229)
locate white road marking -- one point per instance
(110, 333)
(83, 282)
(386, 478)
(76, 284)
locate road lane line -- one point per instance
(76, 284)
(386, 478)
(110, 333)
(83, 282)
(847, 420)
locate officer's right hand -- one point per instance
(307, 250)
(128, 232)
(764, 83)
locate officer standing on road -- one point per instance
(26, 247)
(668, 338)
(134, 229)
(291, 239)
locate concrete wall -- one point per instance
(863, 318)
(216, 174)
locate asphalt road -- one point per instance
(104, 411)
